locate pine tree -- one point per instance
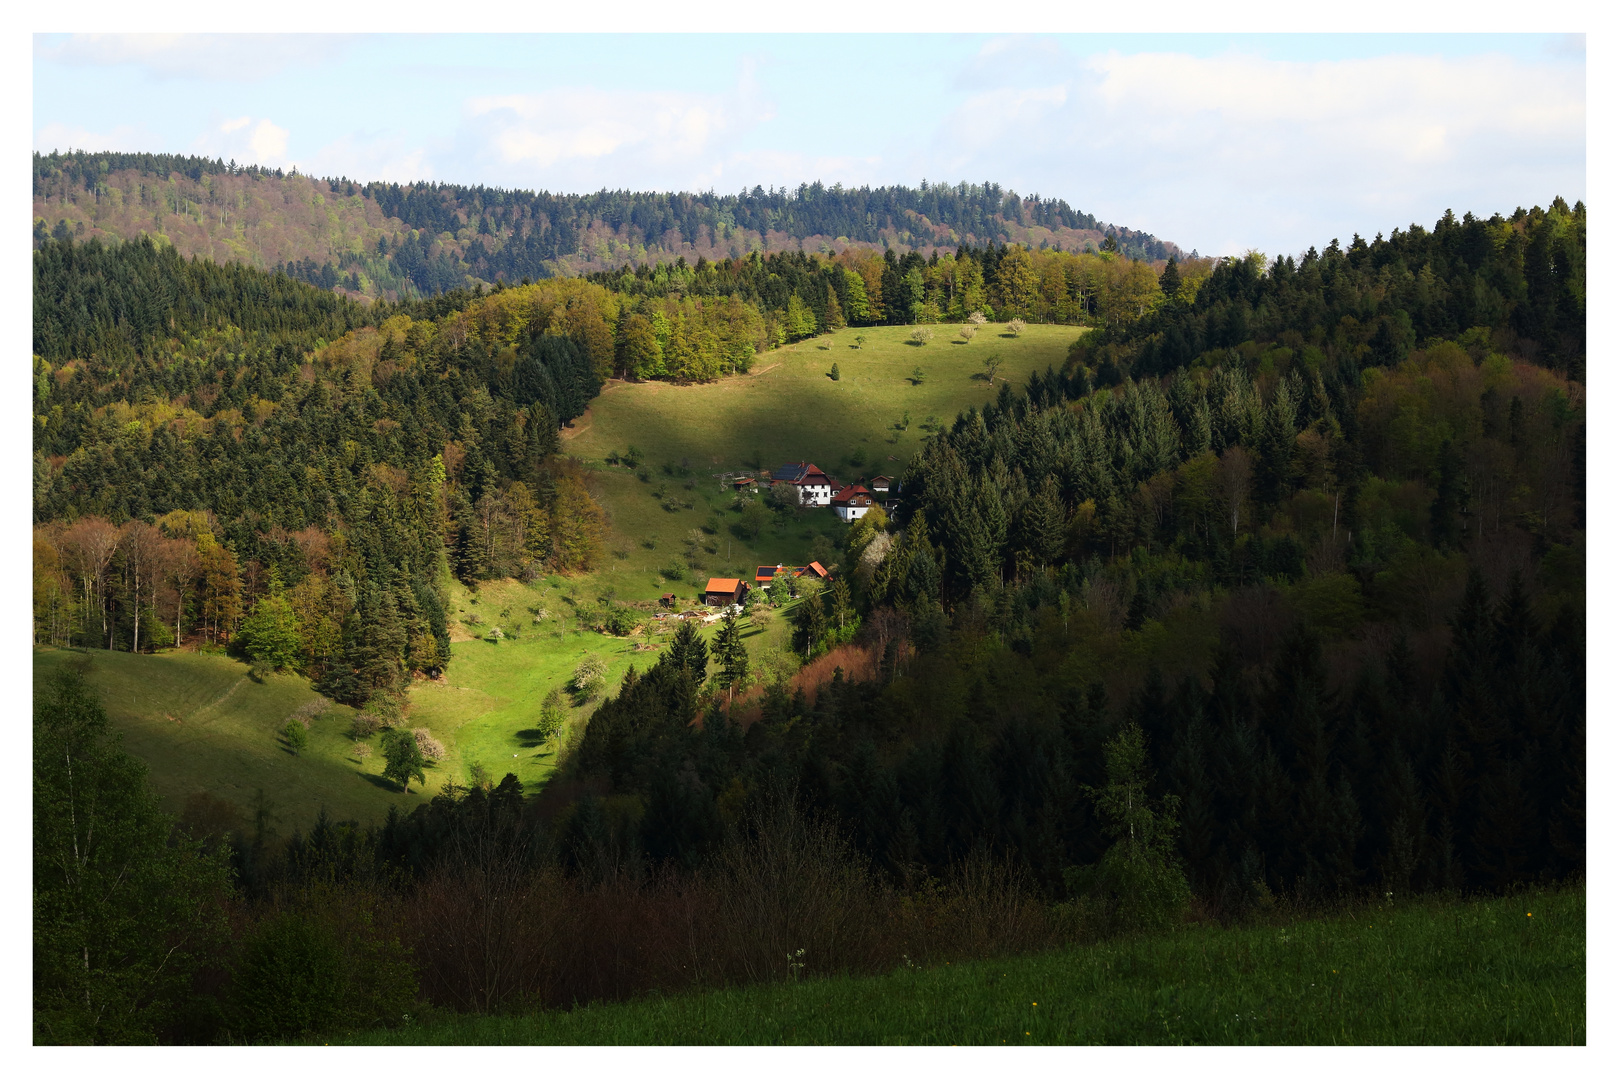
(689, 652)
(731, 654)
(1170, 280)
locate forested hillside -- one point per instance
(231, 456)
(420, 239)
(1315, 531)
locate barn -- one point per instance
(724, 591)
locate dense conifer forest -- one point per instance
(1275, 590)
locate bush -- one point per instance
(429, 747)
(621, 621)
(290, 979)
(300, 974)
(296, 735)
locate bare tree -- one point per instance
(89, 547)
(180, 569)
(1235, 470)
(142, 546)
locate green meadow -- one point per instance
(203, 725)
(868, 422)
(1493, 971)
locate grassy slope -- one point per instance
(201, 724)
(1429, 973)
(482, 709)
(787, 410)
(225, 739)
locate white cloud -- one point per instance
(246, 140)
(1236, 151)
(226, 57)
(582, 138)
(124, 137)
(369, 157)
(268, 142)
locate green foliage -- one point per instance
(621, 620)
(122, 915)
(297, 976)
(1138, 878)
(270, 635)
(295, 735)
(731, 654)
(552, 717)
(403, 760)
(688, 651)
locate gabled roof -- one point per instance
(800, 472)
(722, 584)
(817, 569)
(850, 492)
(766, 573)
(792, 472)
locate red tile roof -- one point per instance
(722, 584)
(850, 492)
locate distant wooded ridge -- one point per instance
(397, 241)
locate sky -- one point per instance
(1219, 142)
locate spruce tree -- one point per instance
(688, 651)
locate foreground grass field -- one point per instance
(1497, 971)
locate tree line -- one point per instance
(1517, 282)
(430, 238)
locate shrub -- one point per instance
(833, 374)
(621, 621)
(429, 747)
(331, 969)
(1015, 327)
(365, 725)
(296, 735)
(921, 336)
(290, 979)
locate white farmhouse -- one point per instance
(815, 487)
